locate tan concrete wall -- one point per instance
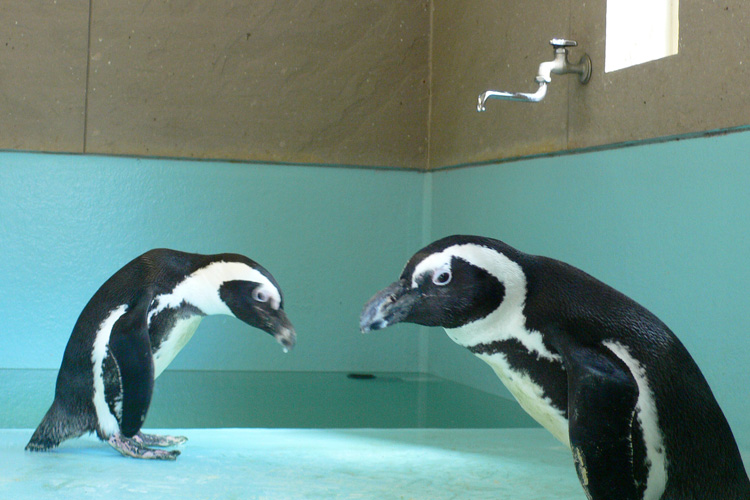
(43, 74)
(330, 82)
(483, 44)
(350, 83)
(706, 86)
(498, 45)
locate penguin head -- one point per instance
(245, 290)
(454, 282)
(252, 295)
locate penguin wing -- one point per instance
(602, 396)
(130, 345)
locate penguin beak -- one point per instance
(278, 325)
(388, 307)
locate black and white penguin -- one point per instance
(134, 326)
(600, 372)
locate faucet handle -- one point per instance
(559, 43)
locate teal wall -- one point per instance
(667, 224)
(329, 235)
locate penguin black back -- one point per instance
(701, 455)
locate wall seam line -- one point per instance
(423, 342)
(88, 72)
(571, 84)
(430, 41)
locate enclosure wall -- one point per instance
(330, 236)
(667, 224)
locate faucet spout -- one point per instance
(512, 96)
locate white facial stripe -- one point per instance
(656, 459)
(432, 263)
(107, 422)
(507, 321)
(270, 291)
(201, 288)
(505, 270)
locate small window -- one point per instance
(639, 31)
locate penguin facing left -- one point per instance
(599, 371)
(134, 326)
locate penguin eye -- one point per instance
(441, 277)
(260, 295)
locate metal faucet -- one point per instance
(559, 66)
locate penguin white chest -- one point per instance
(175, 340)
(530, 396)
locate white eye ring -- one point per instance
(442, 277)
(260, 295)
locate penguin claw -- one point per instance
(130, 447)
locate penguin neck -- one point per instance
(485, 336)
(201, 288)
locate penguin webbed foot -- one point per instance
(130, 447)
(157, 440)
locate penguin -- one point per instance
(134, 326)
(600, 372)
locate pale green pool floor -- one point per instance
(296, 436)
(302, 464)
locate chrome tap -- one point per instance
(559, 66)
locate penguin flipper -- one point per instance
(129, 344)
(602, 396)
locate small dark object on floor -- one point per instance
(361, 376)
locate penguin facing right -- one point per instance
(134, 326)
(599, 371)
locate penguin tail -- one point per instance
(56, 427)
